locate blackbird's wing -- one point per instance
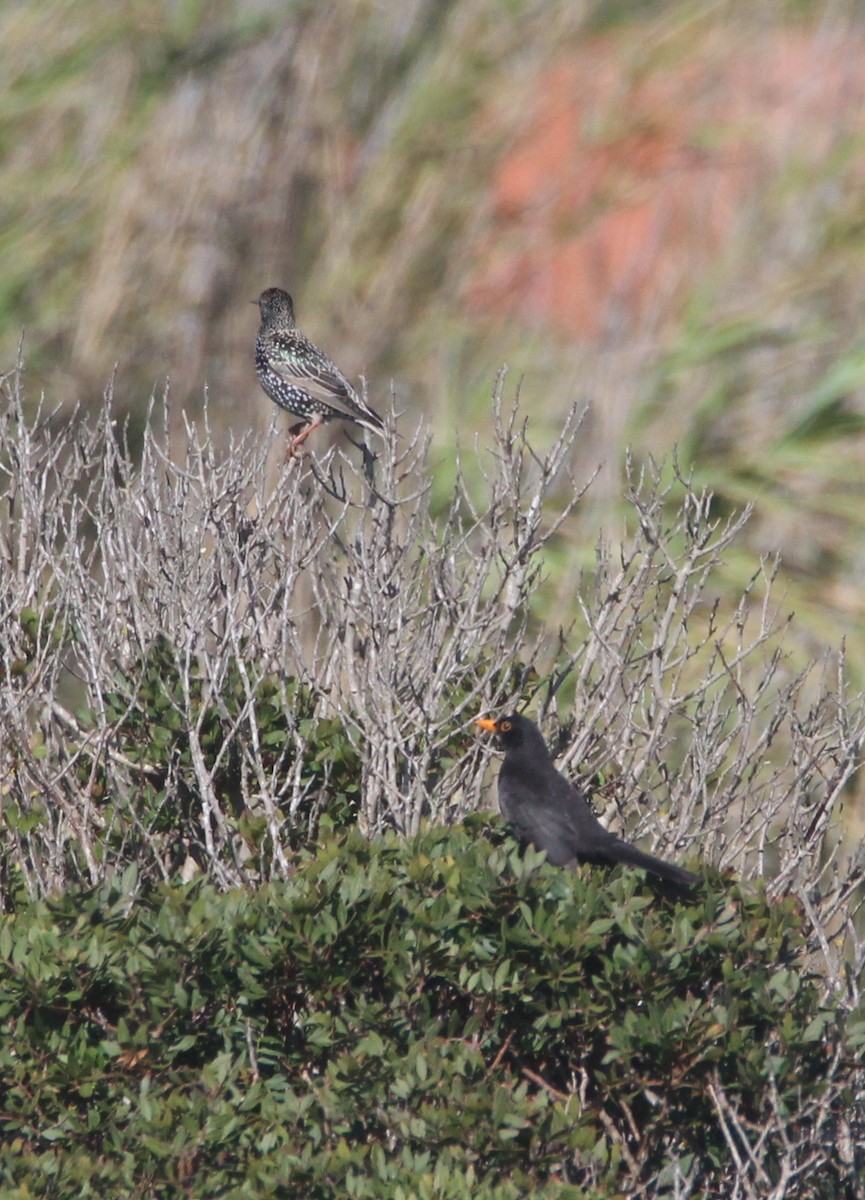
(556, 817)
(553, 815)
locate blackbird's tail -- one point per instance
(625, 853)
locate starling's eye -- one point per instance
(505, 727)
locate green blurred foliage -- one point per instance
(375, 219)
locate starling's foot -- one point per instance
(290, 449)
(301, 437)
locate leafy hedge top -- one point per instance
(438, 1018)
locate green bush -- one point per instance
(438, 1017)
(149, 710)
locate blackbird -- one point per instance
(543, 808)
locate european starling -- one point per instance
(543, 808)
(299, 377)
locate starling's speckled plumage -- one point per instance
(298, 377)
(543, 808)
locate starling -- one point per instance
(543, 808)
(299, 377)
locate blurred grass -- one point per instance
(163, 163)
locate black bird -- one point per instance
(299, 377)
(543, 808)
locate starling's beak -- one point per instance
(253, 302)
(486, 723)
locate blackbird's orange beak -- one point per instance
(486, 723)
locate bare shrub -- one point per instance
(260, 611)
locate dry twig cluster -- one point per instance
(401, 622)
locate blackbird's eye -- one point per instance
(505, 727)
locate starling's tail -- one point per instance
(369, 420)
(625, 853)
(360, 412)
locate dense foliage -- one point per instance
(438, 1017)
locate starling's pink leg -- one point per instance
(294, 430)
(301, 437)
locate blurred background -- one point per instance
(655, 209)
